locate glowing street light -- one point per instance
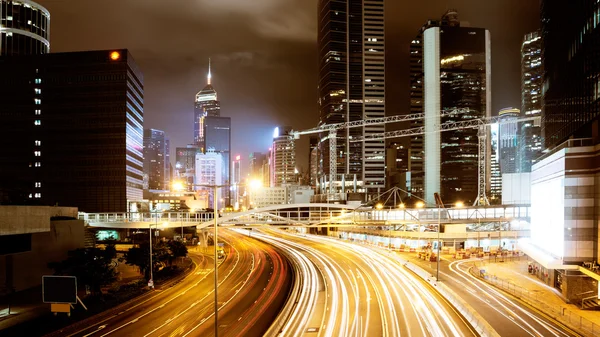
(177, 186)
(459, 204)
(420, 204)
(379, 206)
(401, 205)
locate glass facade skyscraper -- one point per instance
(352, 86)
(74, 125)
(571, 61)
(508, 140)
(24, 28)
(450, 68)
(530, 133)
(156, 164)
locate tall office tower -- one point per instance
(571, 61)
(507, 140)
(24, 28)
(74, 125)
(209, 171)
(185, 165)
(530, 133)
(450, 68)
(217, 131)
(255, 163)
(155, 165)
(313, 161)
(352, 86)
(206, 105)
(283, 158)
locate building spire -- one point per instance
(209, 76)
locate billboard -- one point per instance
(59, 289)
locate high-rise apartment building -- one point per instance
(24, 28)
(351, 86)
(450, 68)
(74, 122)
(530, 133)
(508, 140)
(283, 158)
(255, 162)
(156, 165)
(571, 62)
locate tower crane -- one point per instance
(332, 130)
(480, 123)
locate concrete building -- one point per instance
(24, 28)
(74, 122)
(351, 44)
(397, 166)
(448, 71)
(33, 236)
(268, 196)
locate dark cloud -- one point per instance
(264, 55)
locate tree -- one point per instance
(178, 249)
(92, 267)
(162, 253)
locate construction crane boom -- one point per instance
(480, 123)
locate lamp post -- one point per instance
(151, 281)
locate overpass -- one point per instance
(312, 215)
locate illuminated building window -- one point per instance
(38, 112)
(37, 101)
(38, 91)
(38, 164)
(37, 153)
(37, 122)
(38, 184)
(38, 195)
(38, 80)
(38, 143)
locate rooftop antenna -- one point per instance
(209, 76)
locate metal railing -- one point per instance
(562, 314)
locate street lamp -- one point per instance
(459, 204)
(419, 204)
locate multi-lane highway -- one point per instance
(507, 315)
(253, 285)
(364, 293)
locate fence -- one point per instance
(561, 314)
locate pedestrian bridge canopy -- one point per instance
(312, 215)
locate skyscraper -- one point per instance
(450, 68)
(313, 161)
(530, 134)
(206, 105)
(156, 165)
(256, 160)
(74, 122)
(507, 140)
(283, 158)
(352, 86)
(185, 165)
(24, 28)
(571, 61)
(209, 171)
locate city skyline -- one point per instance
(270, 78)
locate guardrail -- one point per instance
(562, 314)
(471, 315)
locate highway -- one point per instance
(365, 293)
(507, 315)
(254, 280)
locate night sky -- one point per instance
(264, 55)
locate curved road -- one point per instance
(254, 281)
(366, 293)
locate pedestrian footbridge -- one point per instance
(311, 215)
